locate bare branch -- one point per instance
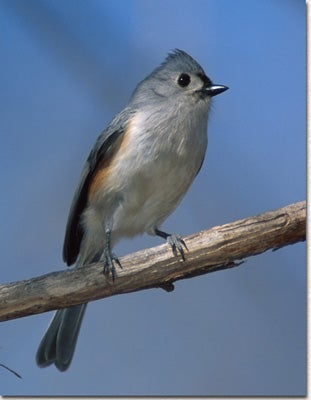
(11, 370)
(211, 250)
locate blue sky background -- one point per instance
(67, 67)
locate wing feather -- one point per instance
(102, 149)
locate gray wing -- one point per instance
(103, 147)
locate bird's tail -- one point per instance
(58, 344)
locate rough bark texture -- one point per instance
(218, 248)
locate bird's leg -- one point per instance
(109, 258)
(175, 241)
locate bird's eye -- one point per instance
(184, 80)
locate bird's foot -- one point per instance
(110, 261)
(176, 242)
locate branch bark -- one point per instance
(211, 250)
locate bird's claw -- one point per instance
(110, 259)
(175, 241)
(177, 244)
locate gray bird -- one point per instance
(136, 174)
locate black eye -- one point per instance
(184, 80)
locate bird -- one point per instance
(136, 174)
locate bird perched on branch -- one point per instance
(136, 174)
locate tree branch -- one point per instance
(211, 250)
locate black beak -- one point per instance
(215, 89)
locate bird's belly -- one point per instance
(149, 177)
(151, 193)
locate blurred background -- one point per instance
(67, 67)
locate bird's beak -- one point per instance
(215, 89)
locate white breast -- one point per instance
(147, 178)
(153, 172)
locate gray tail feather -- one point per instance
(58, 344)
